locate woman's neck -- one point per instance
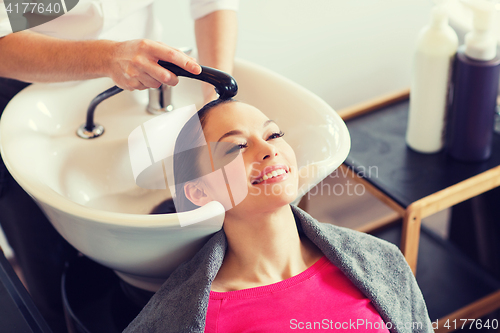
(263, 248)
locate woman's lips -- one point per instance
(272, 174)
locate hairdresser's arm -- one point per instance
(216, 41)
(33, 57)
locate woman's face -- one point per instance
(270, 172)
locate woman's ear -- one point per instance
(196, 193)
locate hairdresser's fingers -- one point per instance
(127, 67)
(160, 74)
(177, 57)
(137, 58)
(149, 81)
(185, 52)
(131, 84)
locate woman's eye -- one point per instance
(276, 135)
(237, 147)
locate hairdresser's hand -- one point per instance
(135, 64)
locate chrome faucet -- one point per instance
(224, 85)
(160, 100)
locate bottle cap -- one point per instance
(480, 43)
(439, 17)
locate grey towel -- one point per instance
(375, 266)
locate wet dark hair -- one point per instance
(188, 167)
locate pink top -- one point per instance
(318, 299)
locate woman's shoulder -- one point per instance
(361, 240)
(356, 253)
(341, 237)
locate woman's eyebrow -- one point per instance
(267, 122)
(236, 132)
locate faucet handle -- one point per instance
(225, 85)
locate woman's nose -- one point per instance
(268, 151)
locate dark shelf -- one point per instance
(378, 150)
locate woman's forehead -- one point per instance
(235, 114)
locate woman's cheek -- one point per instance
(237, 180)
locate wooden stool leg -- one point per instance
(411, 236)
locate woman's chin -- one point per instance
(269, 201)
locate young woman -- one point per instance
(273, 268)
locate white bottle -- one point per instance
(436, 47)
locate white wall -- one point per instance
(345, 51)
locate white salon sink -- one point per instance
(87, 188)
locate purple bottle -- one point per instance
(472, 112)
(474, 89)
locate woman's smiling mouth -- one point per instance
(272, 174)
